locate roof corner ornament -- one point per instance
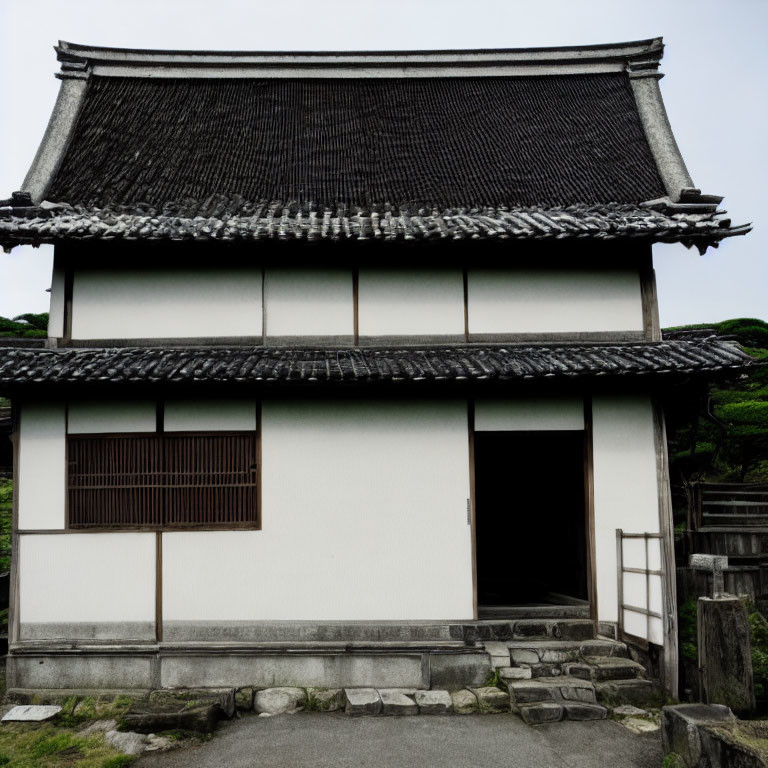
(19, 199)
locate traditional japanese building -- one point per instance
(354, 367)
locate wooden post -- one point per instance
(725, 653)
(669, 578)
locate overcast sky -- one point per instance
(715, 91)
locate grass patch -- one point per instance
(34, 745)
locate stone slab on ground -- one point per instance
(581, 710)
(491, 700)
(128, 743)
(362, 701)
(628, 710)
(543, 712)
(464, 702)
(395, 703)
(278, 701)
(325, 699)
(99, 726)
(640, 725)
(434, 702)
(31, 713)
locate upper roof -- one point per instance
(436, 135)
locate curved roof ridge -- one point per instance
(649, 47)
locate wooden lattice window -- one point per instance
(163, 480)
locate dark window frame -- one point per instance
(249, 516)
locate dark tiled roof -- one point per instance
(234, 219)
(434, 142)
(195, 365)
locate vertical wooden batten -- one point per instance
(356, 306)
(472, 511)
(159, 586)
(66, 466)
(160, 427)
(649, 299)
(259, 520)
(263, 307)
(69, 287)
(465, 281)
(13, 597)
(670, 667)
(589, 512)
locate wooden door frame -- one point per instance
(589, 508)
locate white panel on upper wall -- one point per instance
(112, 416)
(87, 577)
(529, 414)
(56, 310)
(552, 301)
(309, 302)
(364, 515)
(626, 487)
(166, 303)
(209, 415)
(411, 302)
(42, 466)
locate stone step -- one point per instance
(560, 689)
(538, 701)
(556, 629)
(600, 668)
(560, 651)
(639, 693)
(522, 659)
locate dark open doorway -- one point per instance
(530, 522)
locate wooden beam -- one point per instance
(589, 512)
(670, 667)
(356, 306)
(465, 281)
(159, 587)
(649, 299)
(13, 596)
(472, 497)
(69, 286)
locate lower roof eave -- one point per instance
(447, 369)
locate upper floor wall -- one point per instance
(341, 305)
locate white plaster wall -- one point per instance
(209, 415)
(42, 466)
(524, 414)
(166, 303)
(551, 301)
(56, 308)
(111, 416)
(626, 494)
(87, 577)
(412, 302)
(309, 302)
(364, 511)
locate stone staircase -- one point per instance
(557, 670)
